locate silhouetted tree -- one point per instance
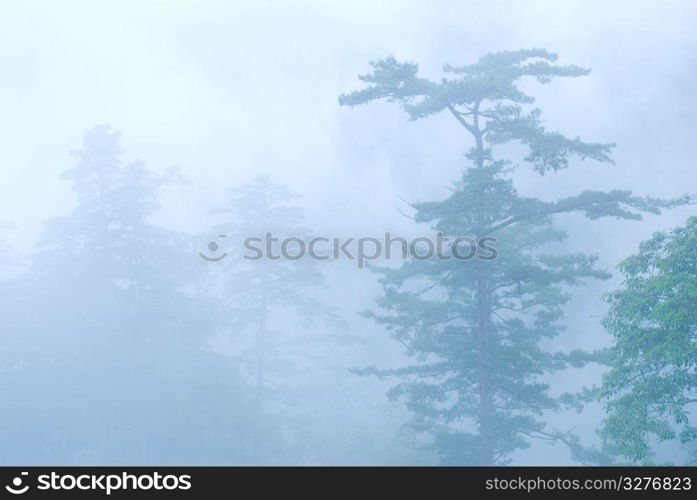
(270, 308)
(110, 360)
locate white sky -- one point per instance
(226, 89)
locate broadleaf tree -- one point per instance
(650, 393)
(475, 328)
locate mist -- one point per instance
(145, 142)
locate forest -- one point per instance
(219, 249)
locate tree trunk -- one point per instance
(486, 424)
(485, 404)
(259, 386)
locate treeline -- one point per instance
(119, 344)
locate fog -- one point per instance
(136, 133)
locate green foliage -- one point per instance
(475, 329)
(653, 321)
(488, 90)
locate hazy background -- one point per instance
(227, 90)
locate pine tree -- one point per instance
(108, 346)
(475, 328)
(651, 390)
(270, 308)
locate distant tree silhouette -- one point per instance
(110, 364)
(271, 313)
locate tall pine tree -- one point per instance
(269, 313)
(108, 361)
(475, 328)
